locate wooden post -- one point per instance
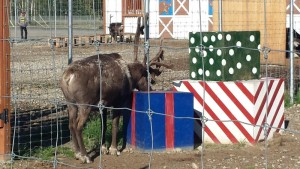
(137, 40)
(5, 142)
(104, 16)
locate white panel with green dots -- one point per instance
(227, 56)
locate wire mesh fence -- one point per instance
(39, 118)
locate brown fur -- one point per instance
(80, 84)
(116, 29)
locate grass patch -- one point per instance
(48, 153)
(297, 98)
(92, 132)
(91, 137)
(287, 99)
(242, 144)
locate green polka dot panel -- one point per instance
(224, 56)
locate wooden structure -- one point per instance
(176, 18)
(247, 15)
(5, 142)
(86, 40)
(167, 18)
(296, 15)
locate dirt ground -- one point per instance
(283, 151)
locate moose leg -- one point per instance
(83, 114)
(115, 127)
(72, 126)
(104, 120)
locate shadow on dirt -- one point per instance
(39, 128)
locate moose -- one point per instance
(116, 29)
(296, 43)
(107, 80)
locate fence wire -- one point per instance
(39, 118)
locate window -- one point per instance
(133, 7)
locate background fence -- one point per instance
(38, 117)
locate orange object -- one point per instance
(5, 142)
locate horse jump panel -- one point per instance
(226, 56)
(168, 132)
(242, 102)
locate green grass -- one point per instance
(297, 98)
(287, 99)
(48, 153)
(92, 132)
(91, 138)
(242, 143)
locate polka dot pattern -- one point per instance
(225, 55)
(213, 38)
(219, 52)
(228, 37)
(218, 72)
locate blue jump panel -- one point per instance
(172, 121)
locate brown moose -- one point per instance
(115, 30)
(82, 83)
(106, 80)
(108, 76)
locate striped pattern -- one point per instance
(242, 104)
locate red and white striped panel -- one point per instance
(240, 103)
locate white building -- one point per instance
(168, 18)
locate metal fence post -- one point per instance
(70, 31)
(220, 15)
(291, 51)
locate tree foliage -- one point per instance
(47, 7)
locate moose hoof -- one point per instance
(114, 151)
(85, 159)
(104, 150)
(77, 155)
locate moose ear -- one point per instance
(155, 72)
(142, 30)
